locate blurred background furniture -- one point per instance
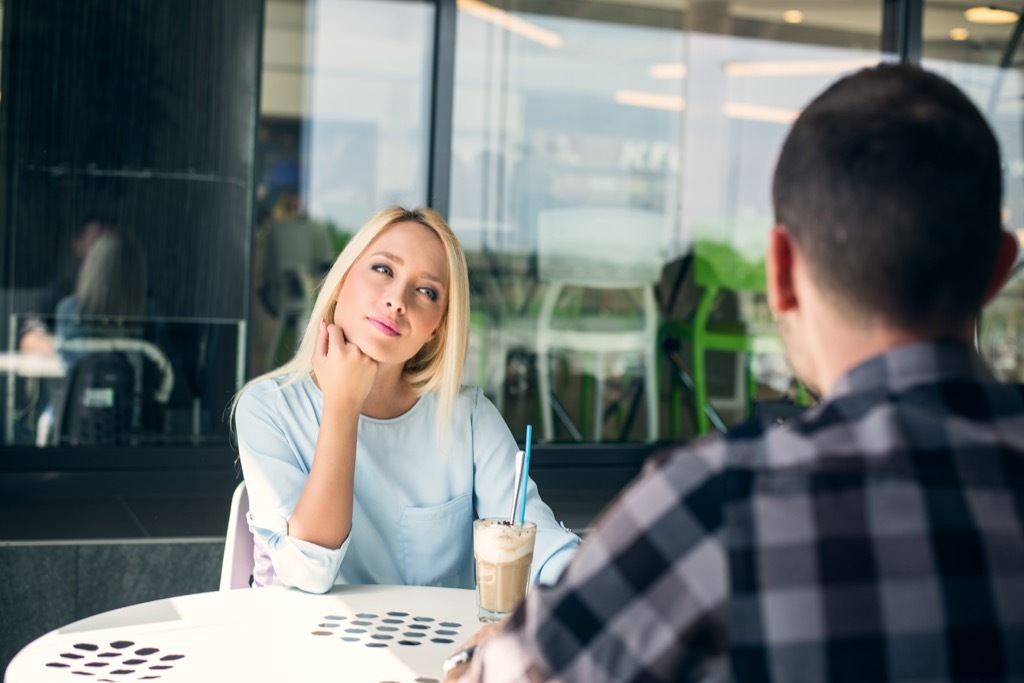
(295, 255)
(33, 369)
(597, 269)
(719, 267)
(114, 389)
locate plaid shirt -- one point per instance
(877, 537)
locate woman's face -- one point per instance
(394, 296)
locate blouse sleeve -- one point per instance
(274, 477)
(494, 450)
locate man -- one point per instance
(877, 537)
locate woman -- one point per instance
(364, 457)
(118, 375)
(110, 293)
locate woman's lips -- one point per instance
(384, 326)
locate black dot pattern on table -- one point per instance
(390, 629)
(120, 660)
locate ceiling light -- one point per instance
(509, 22)
(757, 112)
(734, 110)
(793, 16)
(959, 34)
(668, 70)
(651, 100)
(990, 15)
(798, 68)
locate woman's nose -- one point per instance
(395, 301)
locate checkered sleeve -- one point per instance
(644, 598)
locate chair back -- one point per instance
(621, 252)
(729, 254)
(106, 400)
(601, 248)
(238, 563)
(721, 265)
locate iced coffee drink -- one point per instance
(503, 555)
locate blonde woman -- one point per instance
(110, 295)
(364, 457)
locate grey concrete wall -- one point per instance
(45, 585)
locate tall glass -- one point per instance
(503, 555)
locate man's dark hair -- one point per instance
(890, 183)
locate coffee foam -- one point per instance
(499, 543)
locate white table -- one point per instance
(32, 367)
(31, 364)
(374, 634)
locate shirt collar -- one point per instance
(913, 365)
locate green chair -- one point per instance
(718, 267)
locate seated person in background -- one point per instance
(35, 336)
(364, 457)
(110, 294)
(291, 254)
(879, 536)
(110, 303)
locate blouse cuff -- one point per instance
(556, 564)
(302, 564)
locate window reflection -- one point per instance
(343, 132)
(670, 110)
(981, 55)
(628, 110)
(127, 200)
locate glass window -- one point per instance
(344, 129)
(607, 159)
(978, 48)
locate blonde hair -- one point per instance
(112, 278)
(437, 366)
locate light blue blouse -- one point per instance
(415, 497)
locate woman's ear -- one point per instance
(779, 271)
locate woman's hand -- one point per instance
(344, 373)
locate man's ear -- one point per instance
(1005, 258)
(779, 270)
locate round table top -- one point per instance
(366, 633)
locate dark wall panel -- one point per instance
(145, 111)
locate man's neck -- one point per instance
(838, 345)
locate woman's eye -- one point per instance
(430, 293)
(381, 268)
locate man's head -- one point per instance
(890, 183)
(889, 186)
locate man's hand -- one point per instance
(488, 630)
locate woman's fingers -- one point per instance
(320, 347)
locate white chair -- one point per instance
(238, 544)
(609, 250)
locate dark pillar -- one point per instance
(146, 111)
